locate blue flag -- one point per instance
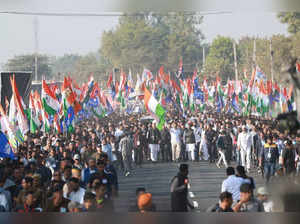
(5, 149)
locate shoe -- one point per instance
(127, 174)
(218, 166)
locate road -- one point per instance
(205, 179)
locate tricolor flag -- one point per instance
(50, 103)
(155, 109)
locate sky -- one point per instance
(80, 35)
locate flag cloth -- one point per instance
(155, 109)
(20, 106)
(49, 100)
(5, 149)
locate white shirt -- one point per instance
(77, 196)
(232, 184)
(175, 135)
(268, 206)
(244, 141)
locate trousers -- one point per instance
(246, 158)
(222, 158)
(154, 149)
(176, 148)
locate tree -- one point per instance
(65, 64)
(292, 19)
(27, 63)
(151, 40)
(220, 60)
(282, 53)
(92, 64)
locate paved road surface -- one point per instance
(205, 179)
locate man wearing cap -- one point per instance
(179, 190)
(244, 144)
(263, 197)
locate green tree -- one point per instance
(92, 64)
(220, 60)
(282, 53)
(292, 19)
(65, 64)
(151, 40)
(27, 63)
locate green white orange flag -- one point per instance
(155, 109)
(49, 100)
(19, 104)
(34, 119)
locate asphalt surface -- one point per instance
(205, 184)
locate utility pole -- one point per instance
(36, 44)
(254, 52)
(271, 53)
(235, 61)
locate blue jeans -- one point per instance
(269, 170)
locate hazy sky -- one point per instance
(65, 35)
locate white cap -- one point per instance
(262, 191)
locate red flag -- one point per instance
(109, 80)
(175, 86)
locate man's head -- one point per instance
(100, 189)
(240, 171)
(230, 171)
(92, 163)
(262, 194)
(27, 183)
(74, 184)
(29, 198)
(57, 193)
(89, 201)
(225, 200)
(74, 206)
(140, 190)
(67, 172)
(184, 168)
(245, 192)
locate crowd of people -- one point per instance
(79, 171)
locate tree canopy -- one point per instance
(292, 19)
(27, 63)
(152, 40)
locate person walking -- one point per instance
(126, 147)
(154, 140)
(190, 142)
(268, 158)
(221, 146)
(179, 190)
(175, 142)
(244, 146)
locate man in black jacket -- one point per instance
(190, 142)
(153, 137)
(179, 190)
(165, 145)
(211, 137)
